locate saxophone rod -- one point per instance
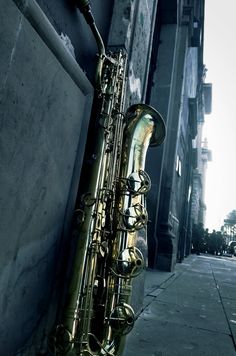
(85, 9)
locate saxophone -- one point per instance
(112, 211)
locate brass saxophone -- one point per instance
(97, 314)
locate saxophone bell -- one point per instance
(144, 113)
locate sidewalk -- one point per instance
(190, 312)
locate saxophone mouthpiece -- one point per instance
(83, 4)
(85, 9)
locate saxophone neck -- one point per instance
(85, 9)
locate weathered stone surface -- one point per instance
(121, 25)
(132, 29)
(42, 113)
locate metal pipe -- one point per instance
(85, 9)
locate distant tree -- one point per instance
(198, 238)
(230, 224)
(232, 216)
(216, 243)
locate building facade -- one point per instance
(177, 84)
(48, 62)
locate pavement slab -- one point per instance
(170, 339)
(211, 319)
(191, 311)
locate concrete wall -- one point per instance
(70, 24)
(167, 92)
(174, 204)
(160, 98)
(45, 107)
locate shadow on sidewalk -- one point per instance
(188, 312)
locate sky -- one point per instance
(220, 125)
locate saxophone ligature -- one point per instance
(112, 211)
